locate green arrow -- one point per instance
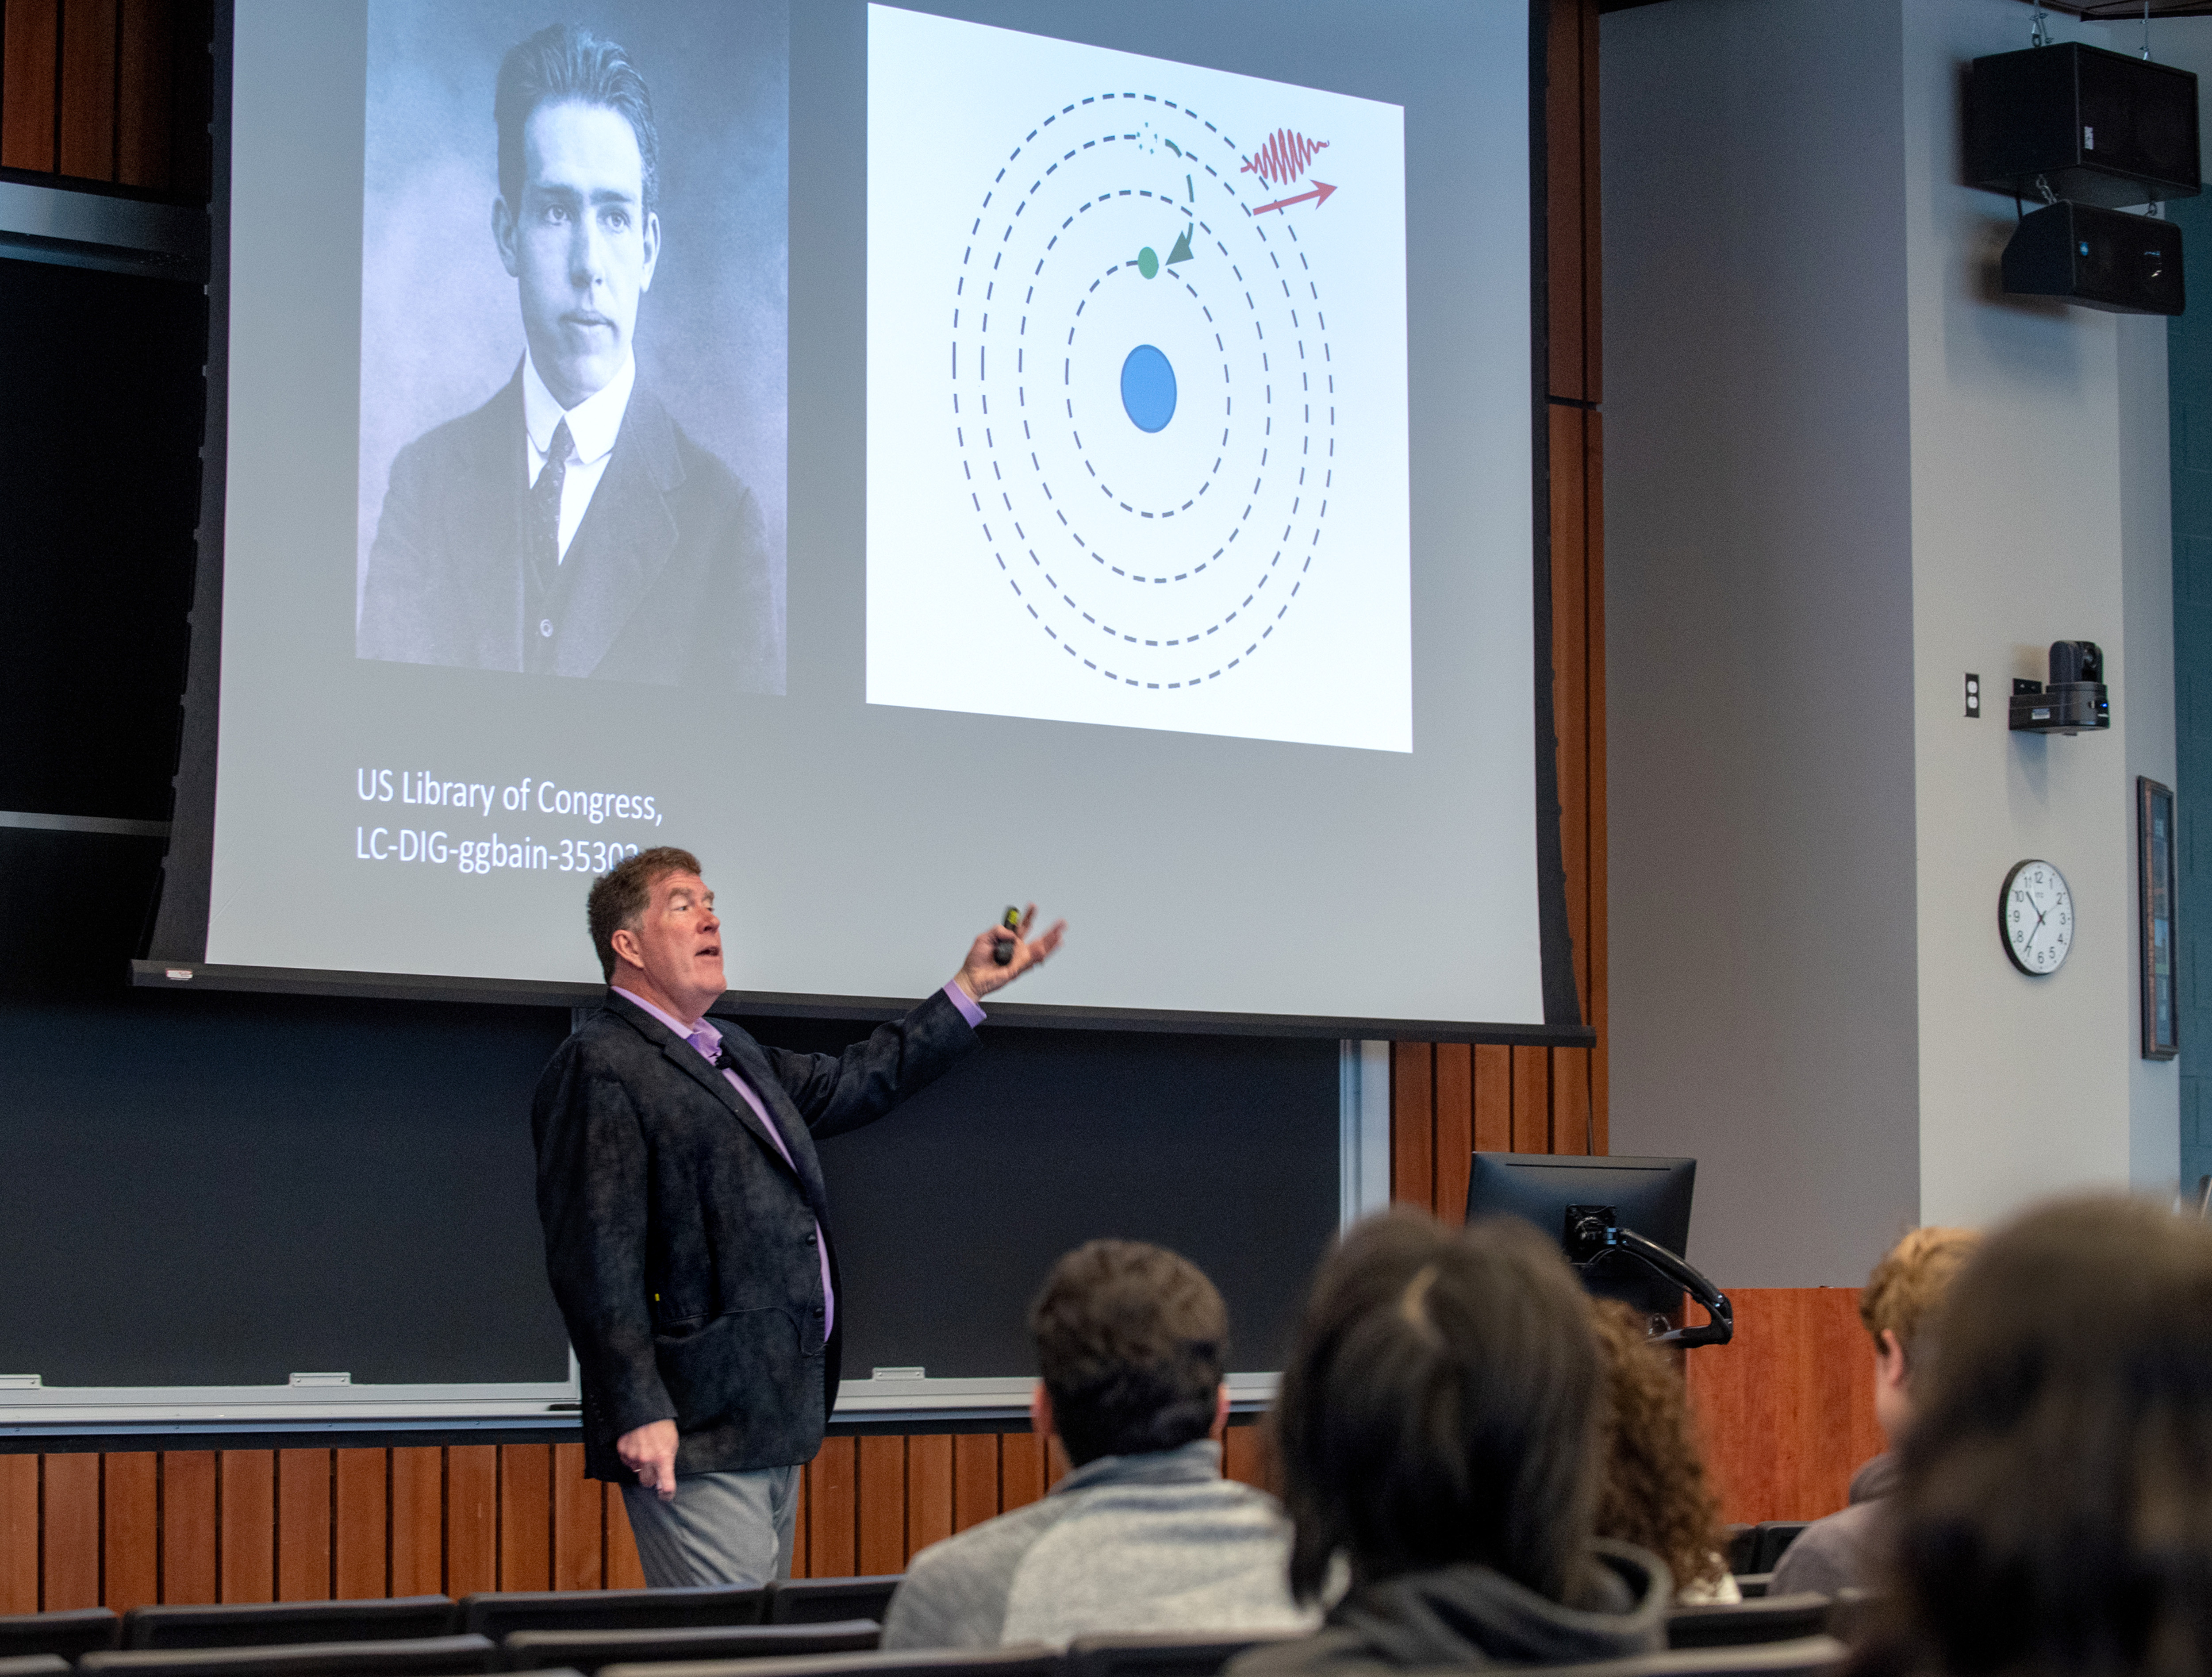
(1181, 250)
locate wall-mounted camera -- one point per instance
(2073, 701)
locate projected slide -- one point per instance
(572, 343)
(1136, 430)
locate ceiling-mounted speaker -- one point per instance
(2100, 259)
(2097, 127)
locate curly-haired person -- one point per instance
(1654, 1491)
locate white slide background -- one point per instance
(1240, 570)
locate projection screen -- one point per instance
(919, 458)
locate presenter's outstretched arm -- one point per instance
(980, 974)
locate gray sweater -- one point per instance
(1126, 1543)
(1839, 1552)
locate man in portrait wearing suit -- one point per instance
(569, 527)
(686, 1228)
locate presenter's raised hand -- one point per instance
(649, 1451)
(982, 974)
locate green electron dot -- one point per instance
(1148, 263)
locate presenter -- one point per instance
(687, 1227)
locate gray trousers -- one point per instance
(719, 1528)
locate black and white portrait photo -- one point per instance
(574, 362)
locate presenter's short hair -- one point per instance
(619, 895)
(1908, 1284)
(1440, 1406)
(565, 62)
(1130, 1342)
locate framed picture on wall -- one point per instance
(2156, 900)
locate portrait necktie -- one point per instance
(545, 505)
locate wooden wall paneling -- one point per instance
(130, 1529)
(1244, 1455)
(418, 1521)
(71, 1562)
(832, 1544)
(88, 65)
(1573, 1120)
(245, 1557)
(472, 1518)
(929, 1490)
(19, 1534)
(1454, 1143)
(188, 1527)
(1531, 1101)
(361, 1524)
(303, 1525)
(579, 1522)
(974, 1479)
(1493, 1098)
(1021, 1469)
(1787, 1409)
(144, 80)
(879, 1498)
(525, 1516)
(30, 39)
(624, 1570)
(1413, 1123)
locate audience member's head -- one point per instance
(1439, 1407)
(1130, 1341)
(2054, 1510)
(1653, 1490)
(1899, 1305)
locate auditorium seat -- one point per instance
(500, 1613)
(1168, 1654)
(589, 1650)
(34, 1665)
(421, 1657)
(1770, 1538)
(1752, 1585)
(820, 1600)
(1738, 1623)
(260, 1623)
(78, 1631)
(1742, 1548)
(1808, 1656)
(1021, 1659)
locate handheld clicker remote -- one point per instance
(1002, 951)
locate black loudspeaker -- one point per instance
(2130, 265)
(2100, 127)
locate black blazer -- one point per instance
(667, 578)
(681, 1246)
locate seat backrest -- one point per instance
(1773, 1537)
(1021, 1659)
(1168, 1654)
(421, 1656)
(1753, 1585)
(1739, 1624)
(823, 1601)
(499, 1614)
(588, 1650)
(79, 1630)
(33, 1665)
(1742, 1547)
(1808, 1656)
(262, 1624)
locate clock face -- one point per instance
(2036, 914)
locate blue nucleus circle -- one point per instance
(1148, 389)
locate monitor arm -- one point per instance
(1593, 1231)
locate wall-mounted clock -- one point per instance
(2035, 913)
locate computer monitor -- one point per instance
(1649, 1195)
